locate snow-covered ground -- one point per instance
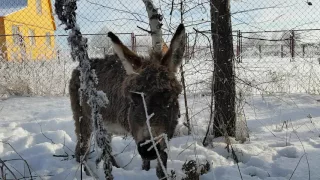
(37, 128)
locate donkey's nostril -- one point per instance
(143, 150)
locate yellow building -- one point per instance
(26, 30)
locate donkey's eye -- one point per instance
(160, 99)
(135, 98)
(133, 105)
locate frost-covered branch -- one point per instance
(155, 25)
(152, 139)
(65, 10)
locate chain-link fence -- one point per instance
(276, 43)
(276, 47)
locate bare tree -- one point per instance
(155, 25)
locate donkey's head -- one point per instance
(155, 78)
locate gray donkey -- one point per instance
(120, 77)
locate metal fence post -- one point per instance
(58, 55)
(260, 52)
(133, 42)
(239, 44)
(240, 33)
(187, 53)
(292, 45)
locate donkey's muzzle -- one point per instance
(147, 151)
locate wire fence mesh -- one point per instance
(276, 47)
(276, 43)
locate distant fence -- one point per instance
(276, 44)
(265, 63)
(285, 43)
(257, 44)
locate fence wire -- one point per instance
(276, 43)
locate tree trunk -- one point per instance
(155, 25)
(224, 82)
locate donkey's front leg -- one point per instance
(159, 171)
(145, 164)
(83, 131)
(104, 143)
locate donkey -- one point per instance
(120, 77)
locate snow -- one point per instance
(40, 127)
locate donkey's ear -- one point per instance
(173, 57)
(130, 60)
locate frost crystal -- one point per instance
(88, 79)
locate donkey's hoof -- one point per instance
(80, 152)
(160, 174)
(145, 165)
(77, 155)
(114, 162)
(77, 158)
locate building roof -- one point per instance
(10, 6)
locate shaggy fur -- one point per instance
(125, 112)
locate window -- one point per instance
(32, 37)
(48, 39)
(16, 35)
(38, 6)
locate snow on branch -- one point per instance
(155, 25)
(65, 9)
(152, 139)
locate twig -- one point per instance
(29, 168)
(185, 149)
(130, 161)
(309, 173)
(148, 117)
(123, 149)
(45, 135)
(66, 155)
(13, 166)
(154, 138)
(17, 170)
(30, 177)
(4, 164)
(89, 170)
(236, 159)
(64, 145)
(143, 29)
(296, 166)
(172, 3)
